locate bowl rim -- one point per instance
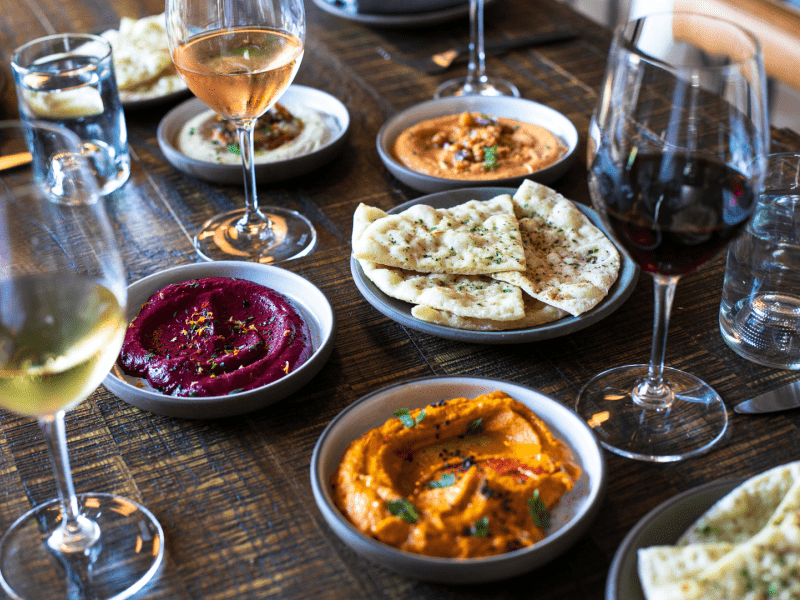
(567, 534)
(396, 124)
(176, 275)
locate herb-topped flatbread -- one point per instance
(467, 240)
(746, 546)
(569, 263)
(479, 265)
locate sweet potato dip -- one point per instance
(460, 478)
(215, 336)
(477, 146)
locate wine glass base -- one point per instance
(126, 558)
(696, 420)
(292, 236)
(461, 86)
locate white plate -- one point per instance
(306, 298)
(337, 118)
(341, 8)
(570, 518)
(511, 108)
(400, 311)
(661, 526)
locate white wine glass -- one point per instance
(677, 152)
(239, 57)
(62, 322)
(476, 82)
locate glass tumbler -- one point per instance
(759, 314)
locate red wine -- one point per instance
(672, 213)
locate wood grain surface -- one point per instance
(234, 495)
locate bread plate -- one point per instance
(400, 311)
(570, 518)
(306, 298)
(336, 117)
(661, 526)
(503, 106)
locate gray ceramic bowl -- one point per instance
(570, 518)
(512, 108)
(337, 118)
(305, 296)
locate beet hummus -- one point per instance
(215, 336)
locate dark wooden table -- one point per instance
(234, 495)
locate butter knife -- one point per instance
(783, 398)
(9, 161)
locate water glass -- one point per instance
(68, 79)
(760, 310)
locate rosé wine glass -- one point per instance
(239, 57)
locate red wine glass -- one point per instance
(677, 151)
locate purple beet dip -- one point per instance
(213, 337)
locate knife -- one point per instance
(10, 161)
(783, 398)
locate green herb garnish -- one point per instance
(403, 509)
(538, 511)
(405, 417)
(490, 158)
(480, 528)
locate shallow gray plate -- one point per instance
(661, 526)
(570, 517)
(512, 108)
(304, 295)
(337, 118)
(400, 311)
(153, 101)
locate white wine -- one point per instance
(59, 335)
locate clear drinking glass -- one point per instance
(677, 152)
(239, 57)
(477, 82)
(68, 79)
(62, 321)
(759, 314)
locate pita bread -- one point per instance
(536, 313)
(570, 263)
(470, 239)
(142, 62)
(739, 548)
(464, 295)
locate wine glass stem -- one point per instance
(253, 218)
(654, 393)
(76, 533)
(476, 69)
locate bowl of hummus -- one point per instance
(219, 339)
(471, 141)
(458, 479)
(305, 130)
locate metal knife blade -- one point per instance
(783, 398)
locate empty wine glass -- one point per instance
(239, 57)
(677, 152)
(62, 321)
(477, 82)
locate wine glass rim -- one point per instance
(624, 39)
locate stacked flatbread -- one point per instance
(745, 547)
(142, 62)
(504, 263)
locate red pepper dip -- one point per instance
(215, 336)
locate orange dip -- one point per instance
(477, 146)
(460, 478)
